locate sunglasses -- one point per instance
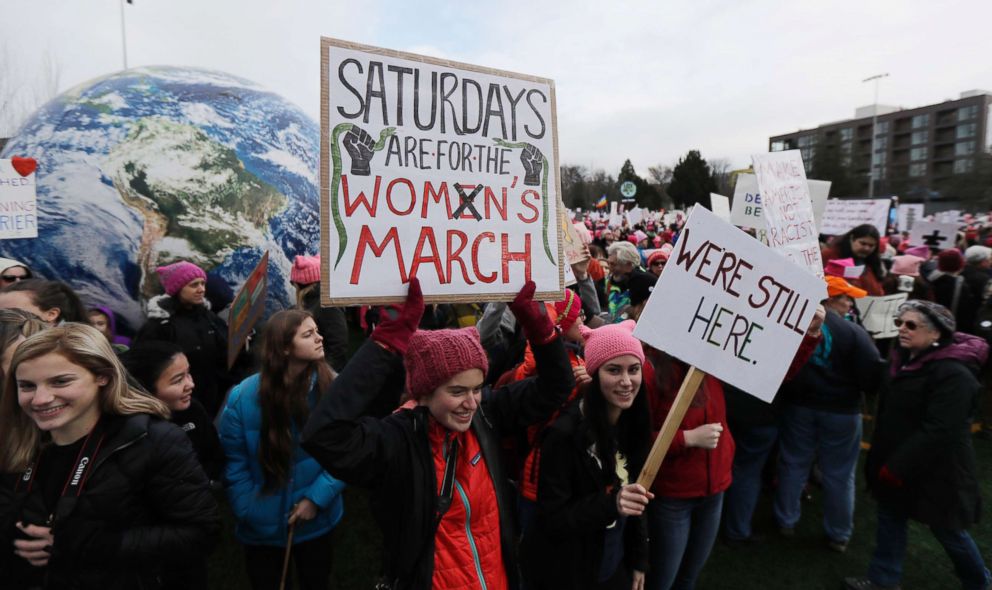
(910, 324)
(12, 278)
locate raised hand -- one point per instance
(533, 161)
(360, 146)
(537, 326)
(394, 333)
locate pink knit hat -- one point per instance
(609, 342)
(920, 251)
(907, 264)
(306, 270)
(435, 356)
(177, 275)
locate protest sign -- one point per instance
(908, 215)
(938, 236)
(575, 250)
(949, 216)
(745, 207)
(720, 206)
(635, 216)
(730, 306)
(840, 216)
(246, 309)
(878, 313)
(18, 199)
(439, 170)
(788, 208)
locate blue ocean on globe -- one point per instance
(151, 165)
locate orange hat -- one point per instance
(838, 286)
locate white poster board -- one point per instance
(842, 215)
(435, 169)
(908, 214)
(939, 236)
(745, 207)
(949, 216)
(788, 208)
(878, 313)
(730, 306)
(720, 206)
(18, 199)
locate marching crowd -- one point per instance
(501, 443)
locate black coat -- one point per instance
(203, 337)
(392, 455)
(203, 434)
(923, 436)
(564, 547)
(145, 512)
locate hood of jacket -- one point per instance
(968, 349)
(163, 307)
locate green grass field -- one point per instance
(802, 562)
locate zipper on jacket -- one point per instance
(468, 533)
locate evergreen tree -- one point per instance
(692, 181)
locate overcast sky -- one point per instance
(645, 80)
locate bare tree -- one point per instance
(721, 174)
(23, 92)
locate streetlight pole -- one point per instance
(124, 34)
(874, 121)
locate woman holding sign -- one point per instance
(441, 490)
(98, 489)
(861, 244)
(922, 464)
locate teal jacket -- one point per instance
(262, 517)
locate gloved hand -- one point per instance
(530, 314)
(888, 478)
(533, 161)
(394, 332)
(360, 147)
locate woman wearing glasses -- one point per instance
(12, 271)
(922, 464)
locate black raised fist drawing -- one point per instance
(533, 161)
(360, 146)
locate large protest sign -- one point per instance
(840, 216)
(575, 250)
(745, 207)
(720, 206)
(878, 313)
(938, 236)
(909, 214)
(247, 308)
(730, 306)
(435, 169)
(18, 199)
(788, 208)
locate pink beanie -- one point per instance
(609, 342)
(306, 270)
(435, 356)
(920, 251)
(177, 275)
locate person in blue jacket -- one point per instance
(272, 483)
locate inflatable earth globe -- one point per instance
(151, 165)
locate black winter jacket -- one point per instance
(923, 435)
(202, 336)
(564, 547)
(145, 512)
(392, 455)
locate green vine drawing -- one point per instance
(544, 192)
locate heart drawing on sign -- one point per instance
(24, 166)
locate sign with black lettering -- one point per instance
(730, 306)
(439, 170)
(938, 236)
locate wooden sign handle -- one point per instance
(690, 384)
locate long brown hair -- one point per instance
(20, 438)
(283, 400)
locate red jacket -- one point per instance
(690, 472)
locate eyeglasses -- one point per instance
(910, 324)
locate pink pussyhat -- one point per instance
(609, 342)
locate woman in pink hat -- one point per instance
(904, 277)
(440, 488)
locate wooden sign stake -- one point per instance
(690, 385)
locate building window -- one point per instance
(964, 148)
(921, 121)
(881, 144)
(967, 113)
(807, 154)
(963, 166)
(918, 169)
(966, 130)
(918, 153)
(806, 141)
(881, 128)
(846, 134)
(878, 159)
(778, 146)
(920, 137)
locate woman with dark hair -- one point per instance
(921, 465)
(163, 370)
(273, 485)
(98, 490)
(52, 301)
(589, 531)
(861, 244)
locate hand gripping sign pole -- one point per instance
(687, 392)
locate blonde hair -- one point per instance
(82, 345)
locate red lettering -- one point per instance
(508, 257)
(349, 206)
(492, 202)
(531, 206)
(491, 278)
(455, 255)
(432, 193)
(365, 240)
(389, 196)
(427, 237)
